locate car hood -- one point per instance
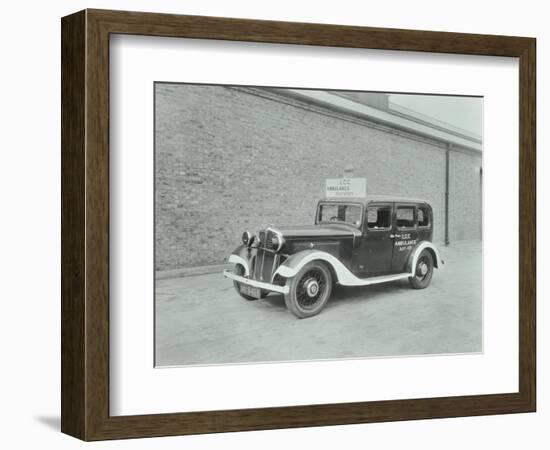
(323, 230)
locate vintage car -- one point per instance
(354, 242)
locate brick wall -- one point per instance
(228, 160)
(465, 197)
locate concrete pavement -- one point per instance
(202, 320)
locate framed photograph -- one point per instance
(273, 224)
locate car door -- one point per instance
(404, 234)
(374, 253)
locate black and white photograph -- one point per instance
(308, 224)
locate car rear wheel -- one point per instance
(423, 271)
(309, 290)
(239, 270)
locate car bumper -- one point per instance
(255, 283)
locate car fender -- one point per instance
(294, 263)
(415, 253)
(241, 256)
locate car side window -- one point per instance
(404, 216)
(423, 216)
(378, 217)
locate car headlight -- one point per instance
(247, 238)
(276, 242)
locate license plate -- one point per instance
(250, 291)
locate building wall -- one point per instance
(465, 197)
(228, 160)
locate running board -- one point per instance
(374, 280)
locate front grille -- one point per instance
(262, 236)
(265, 264)
(265, 239)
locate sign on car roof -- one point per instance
(345, 187)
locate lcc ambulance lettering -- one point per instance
(406, 243)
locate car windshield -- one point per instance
(340, 212)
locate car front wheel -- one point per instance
(309, 290)
(423, 271)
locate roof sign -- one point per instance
(345, 187)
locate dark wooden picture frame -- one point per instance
(85, 224)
